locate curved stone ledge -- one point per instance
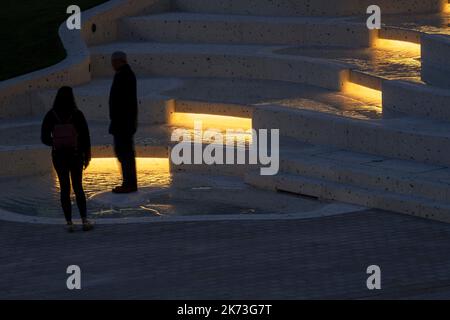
(409, 139)
(366, 80)
(435, 60)
(234, 29)
(415, 99)
(328, 210)
(215, 108)
(219, 61)
(17, 95)
(307, 7)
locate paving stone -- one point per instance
(315, 258)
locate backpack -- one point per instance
(65, 135)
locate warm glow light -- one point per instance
(221, 123)
(395, 45)
(103, 174)
(368, 95)
(239, 128)
(111, 165)
(447, 8)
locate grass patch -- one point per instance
(29, 34)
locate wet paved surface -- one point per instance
(428, 23)
(161, 194)
(312, 258)
(391, 63)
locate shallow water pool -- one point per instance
(161, 194)
(385, 61)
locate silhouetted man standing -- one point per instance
(123, 110)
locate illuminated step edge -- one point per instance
(214, 108)
(366, 80)
(32, 160)
(142, 150)
(110, 163)
(364, 93)
(397, 45)
(400, 34)
(210, 121)
(417, 100)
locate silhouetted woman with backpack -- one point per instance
(65, 130)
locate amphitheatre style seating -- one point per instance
(363, 114)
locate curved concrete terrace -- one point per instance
(327, 113)
(319, 8)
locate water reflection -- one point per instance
(431, 23)
(388, 59)
(169, 194)
(104, 173)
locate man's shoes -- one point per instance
(124, 189)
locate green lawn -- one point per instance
(29, 34)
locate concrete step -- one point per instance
(22, 152)
(214, 108)
(418, 100)
(220, 61)
(413, 139)
(93, 99)
(232, 168)
(306, 113)
(235, 29)
(435, 64)
(305, 7)
(158, 97)
(328, 119)
(22, 135)
(373, 172)
(329, 190)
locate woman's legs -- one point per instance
(63, 173)
(76, 172)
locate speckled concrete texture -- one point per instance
(307, 7)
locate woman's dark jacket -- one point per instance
(80, 124)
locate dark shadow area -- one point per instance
(29, 34)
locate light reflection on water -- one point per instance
(104, 174)
(237, 136)
(434, 23)
(384, 62)
(175, 195)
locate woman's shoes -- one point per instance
(87, 225)
(70, 227)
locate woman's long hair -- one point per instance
(64, 103)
